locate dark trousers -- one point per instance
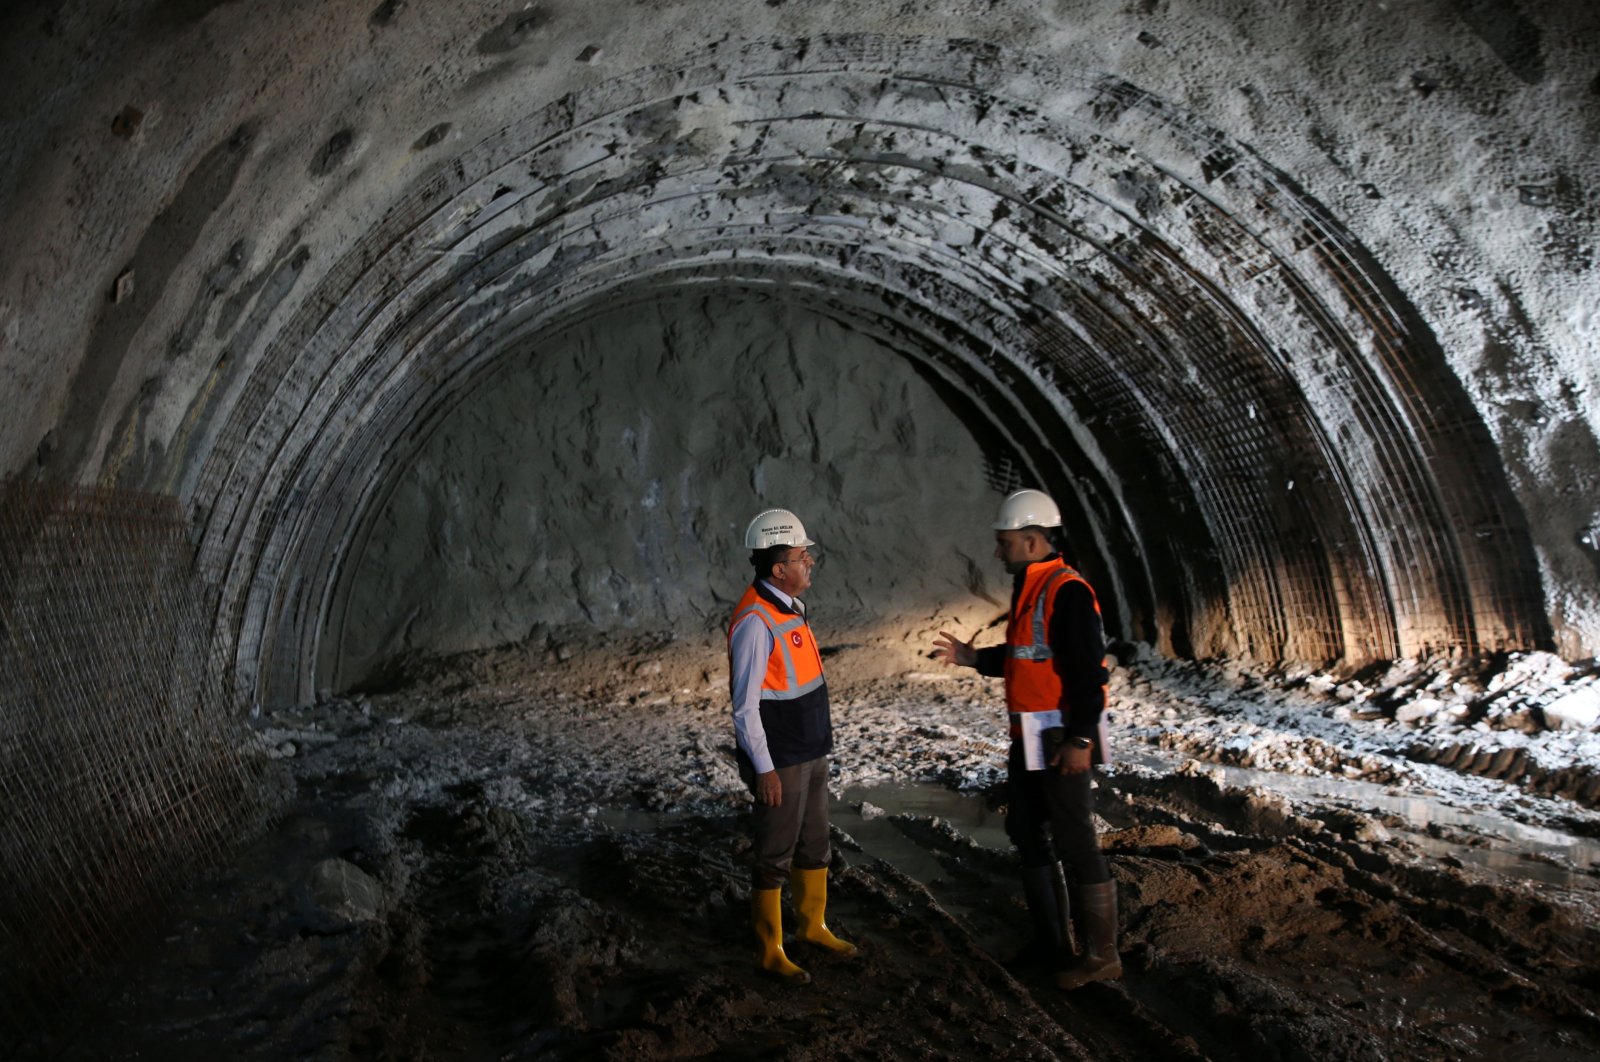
(1050, 817)
(795, 833)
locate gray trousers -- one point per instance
(1045, 807)
(795, 833)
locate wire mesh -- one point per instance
(123, 769)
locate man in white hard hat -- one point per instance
(1053, 661)
(784, 733)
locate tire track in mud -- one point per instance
(1165, 1008)
(1284, 937)
(1508, 763)
(1103, 1022)
(1496, 959)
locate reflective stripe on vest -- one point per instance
(797, 681)
(1040, 647)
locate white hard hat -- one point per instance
(1027, 508)
(776, 527)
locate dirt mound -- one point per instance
(530, 856)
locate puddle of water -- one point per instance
(966, 811)
(878, 837)
(1514, 849)
(882, 839)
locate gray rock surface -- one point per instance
(604, 478)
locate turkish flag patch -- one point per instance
(794, 636)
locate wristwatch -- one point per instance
(1080, 742)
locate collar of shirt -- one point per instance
(1023, 574)
(1018, 579)
(793, 602)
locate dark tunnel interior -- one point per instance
(351, 345)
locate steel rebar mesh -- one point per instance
(123, 769)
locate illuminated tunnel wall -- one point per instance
(1295, 315)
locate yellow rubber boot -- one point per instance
(811, 901)
(766, 913)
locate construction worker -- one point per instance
(1053, 661)
(784, 733)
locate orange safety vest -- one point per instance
(1032, 684)
(795, 667)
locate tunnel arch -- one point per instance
(1112, 266)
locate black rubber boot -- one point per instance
(1096, 908)
(1045, 890)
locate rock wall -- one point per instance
(603, 478)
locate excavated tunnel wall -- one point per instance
(601, 481)
(1261, 440)
(438, 323)
(1230, 317)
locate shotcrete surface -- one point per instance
(180, 181)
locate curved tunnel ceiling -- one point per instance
(1177, 305)
(1263, 445)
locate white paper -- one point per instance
(1034, 724)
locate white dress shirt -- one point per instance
(749, 650)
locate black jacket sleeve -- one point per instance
(1078, 645)
(992, 661)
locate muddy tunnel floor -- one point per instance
(541, 853)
